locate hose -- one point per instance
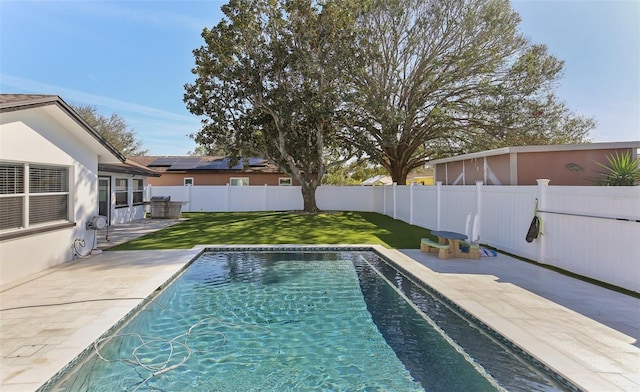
(83, 244)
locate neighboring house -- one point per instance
(416, 178)
(421, 180)
(189, 170)
(380, 179)
(563, 164)
(50, 164)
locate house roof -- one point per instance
(17, 102)
(379, 179)
(543, 148)
(182, 164)
(128, 167)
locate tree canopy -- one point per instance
(307, 83)
(113, 128)
(446, 77)
(270, 81)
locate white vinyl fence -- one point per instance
(591, 231)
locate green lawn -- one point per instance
(282, 228)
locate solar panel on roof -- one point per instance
(219, 164)
(186, 163)
(164, 161)
(198, 163)
(183, 166)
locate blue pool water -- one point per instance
(291, 321)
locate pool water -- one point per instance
(291, 321)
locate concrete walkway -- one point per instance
(119, 234)
(586, 333)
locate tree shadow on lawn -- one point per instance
(396, 233)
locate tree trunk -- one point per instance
(309, 197)
(399, 173)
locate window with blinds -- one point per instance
(48, 208)
(11, 178)
(11, 196)
(138, 191)
(48, 179)
(11, 212)
(43, 192)
(122, 192)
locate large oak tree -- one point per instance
(445, 77)
(270, 80)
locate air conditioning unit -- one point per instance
(97, 222)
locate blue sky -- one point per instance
(134, 57)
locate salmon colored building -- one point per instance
(197, 171)
(563, 164)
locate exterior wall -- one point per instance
(34, 137)
(451, 173)
(498, 171)
(468, 171)
(562, 167)
(473, 170)
(177, 179)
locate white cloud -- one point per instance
(71, 95)
(162, 132)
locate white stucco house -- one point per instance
(56, 174)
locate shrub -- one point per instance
(621, 171)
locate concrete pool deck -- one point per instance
(588, 334)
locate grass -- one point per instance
(242, 228)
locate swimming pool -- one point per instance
(298, 321)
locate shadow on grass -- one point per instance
(243, 228)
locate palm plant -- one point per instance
(621, 171)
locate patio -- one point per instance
(585, 332)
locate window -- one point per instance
(188, 181)
(138, 191)
(239, 181)
(122, 192)
(12, 195)
(284, 181)
(33, 194)
(49, 194)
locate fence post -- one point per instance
(476, 236)
(189, 198)
(543, 185)
(226, 201)
(395, 184)
(411, 203)
(264, 201)
(438, 204)
(384, 199)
